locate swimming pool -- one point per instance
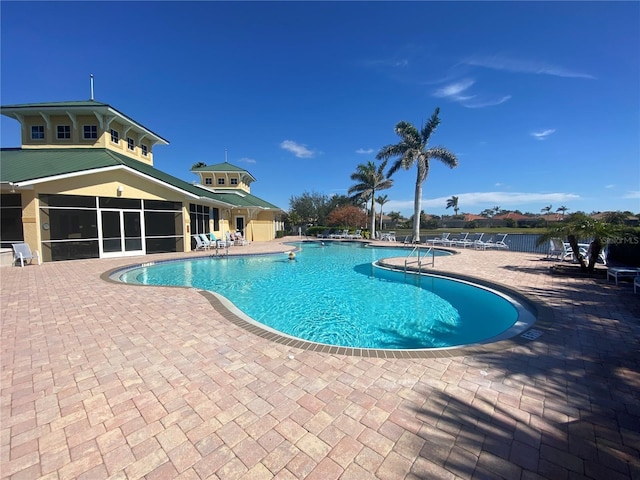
(334, 294)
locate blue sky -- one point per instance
(539, 101)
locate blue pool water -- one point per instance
(334, 295)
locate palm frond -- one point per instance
(430, 126)
(408, 133)
(444, 155)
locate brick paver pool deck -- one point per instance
(104, 380)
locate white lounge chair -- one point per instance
(500, 242)
(200, 245)
(389, 237)
(357, 234)
(494, 242)
(22, 252)
(342, 234)
(459, 241)
(439, 240)
(622, 272)
(239, 240)
(205, 239)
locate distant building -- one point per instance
(83, 185)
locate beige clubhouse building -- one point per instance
(83, 185)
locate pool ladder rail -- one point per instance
(416, 249)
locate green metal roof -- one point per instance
(19, 165)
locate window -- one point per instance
(63, 132)
(215, 216)
(145, 151)
(199, 218)
(221, 181)
(90, 132)
(130, 144)
(234, 181)
(37, 132)
(208, 181)
(115, 136)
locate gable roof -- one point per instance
(23, 167)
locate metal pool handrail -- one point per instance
(416, 248)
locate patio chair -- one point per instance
(459, 241)
(217, 242)
(618, 272)
(205, 239)
(239, 240)
(200, 245)
(389, 237)
(442, 239)
(22, 252)
(500, 242)
(494, 242)
(357, 234)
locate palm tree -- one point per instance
(453, 202)
(581, 227)
(562, 209)
(413, 149)
(382, 199)
(547, 209)
(198, 165)
(370, 180)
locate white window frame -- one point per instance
(131, 145)
(65, 130)
(220, 181)
(39, 131)
(234, 181)
(145, 150)
(115, 135)
(208, 181)
(91, 133)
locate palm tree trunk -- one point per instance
(594, 251)
(373, 218)
(416, 211)
(573, 241)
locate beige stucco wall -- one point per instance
(30, 220)
(103, 141)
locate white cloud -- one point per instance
(611, 185)
(365, 151)
(487, 102)
(508, 199)
(247, 160)
(454, 91)
(632, 194)
(476, 201)
(543, 134)
(497, 62)
(299, 150)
